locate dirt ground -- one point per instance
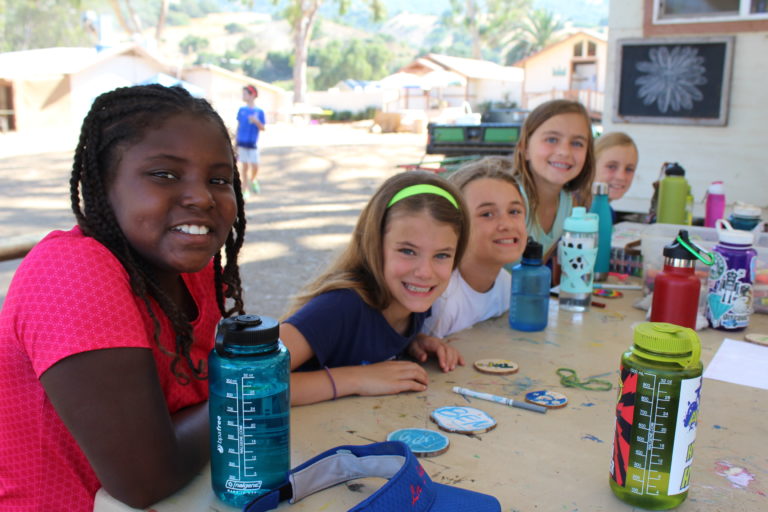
(314, 179)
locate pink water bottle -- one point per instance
(715, 204)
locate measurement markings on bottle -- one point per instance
(655, 410)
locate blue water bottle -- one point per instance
(601, 207)
(249, 377)
(529, 300)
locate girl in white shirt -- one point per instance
(479, 288)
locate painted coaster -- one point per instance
(422, 442)
(497, 366)
(608, 294)
(549, 399)
(760, 339)
(462, 420)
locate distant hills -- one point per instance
(411, 27)
(586, 13)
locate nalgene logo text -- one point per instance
(236, 485)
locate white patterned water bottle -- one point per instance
(577, 252)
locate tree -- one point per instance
(193, 44)
(277, 66)
(28, 25)
(246, 45)
(486, 22)
(535, 33)
(360, 60)
(301, 15)
(133, 15)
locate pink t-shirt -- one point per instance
(71, 295)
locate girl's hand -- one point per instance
(385, 378)
(447, 356)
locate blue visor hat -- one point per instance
(409, 487)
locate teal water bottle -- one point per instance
(577, 252)
(601, 207)
(249, 377)
(656, 416)
(529, 299)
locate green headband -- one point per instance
(422, 189)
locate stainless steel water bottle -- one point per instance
(676, 289)
(675, 200)
(602, 208)
(656, 416)
(249, 377)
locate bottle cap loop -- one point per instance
(697, 251)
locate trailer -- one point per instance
(476, 139)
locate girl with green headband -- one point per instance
(349, 328)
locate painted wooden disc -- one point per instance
(760, 339)
(462, 420)
(497, 366)
(546, 398)
(607, 293)
(422, 441)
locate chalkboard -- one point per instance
(673, 81)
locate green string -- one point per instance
(698, 252)
(569, 379)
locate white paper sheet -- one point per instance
(740, 362)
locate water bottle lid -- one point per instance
(533, 250)
(661, 341)
(728, 235)
(716, 188)
(678, 251)
(582, 222)
(247, 330)
(600, 188)
(746, 211)
(674, 169)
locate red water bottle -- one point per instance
(676, 288)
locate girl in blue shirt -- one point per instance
(351, 324)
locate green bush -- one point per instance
(246, 45)
(235, 28)
(341, 116)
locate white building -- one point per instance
(574, 67)
(730, 148)
(53, 88)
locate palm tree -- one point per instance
(536, 32)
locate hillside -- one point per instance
(269, 35)
(412, 29)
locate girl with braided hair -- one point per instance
(105, 329)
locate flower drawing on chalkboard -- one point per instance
(671, 78)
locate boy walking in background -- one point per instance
(250, 121)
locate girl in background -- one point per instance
(106, 328)
(479, 288)
(616, 160)
(368, 308)
(554, 162)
